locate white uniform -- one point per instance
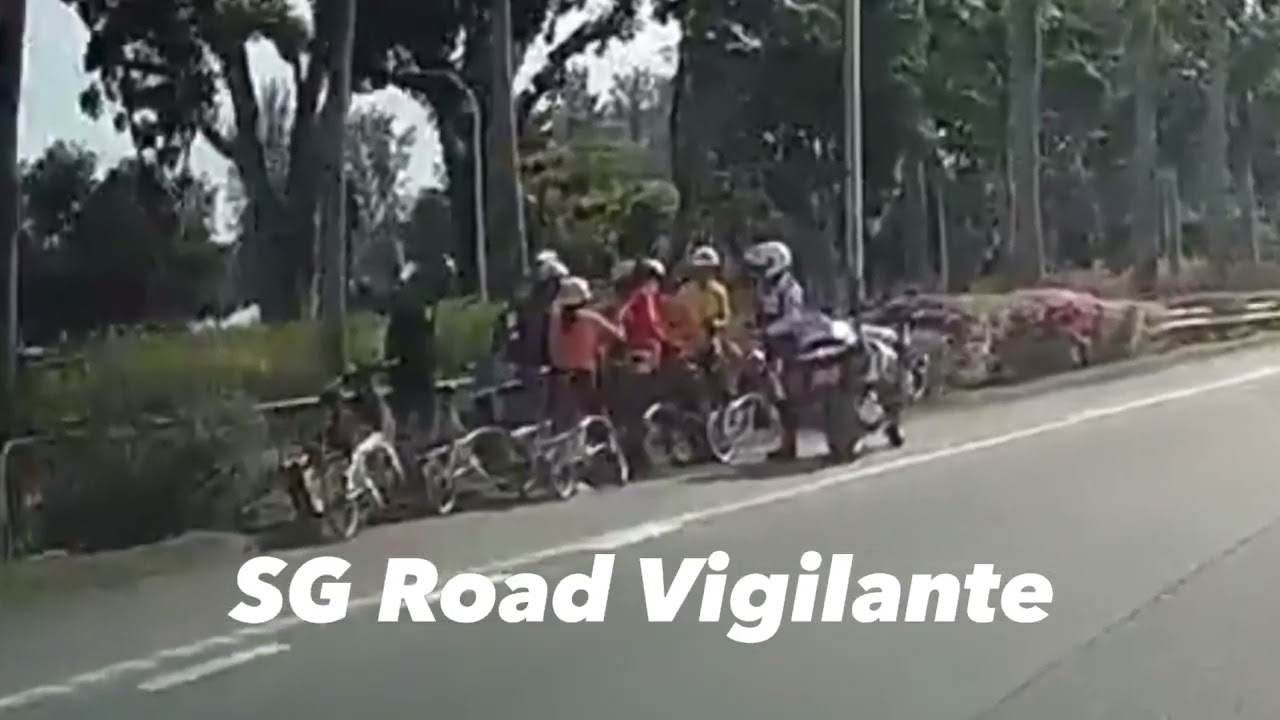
(781, 308)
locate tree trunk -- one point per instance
(1218, 185)
(13, 22)
(1027, 251)
(916, 223)
(1246, 190)
(505, 204)
(1173, 221)
(333, 225)
(940, 217)
(1144, 218)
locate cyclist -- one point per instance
(578, 336)
(647, 339)
(705, 310)
(527, 331)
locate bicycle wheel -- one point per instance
(440, 490)
(344, 512)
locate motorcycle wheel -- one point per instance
(893, 432)
(439, 489)
(840, 420)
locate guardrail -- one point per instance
(1212, 317)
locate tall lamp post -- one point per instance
(854, 242)
(477, 160)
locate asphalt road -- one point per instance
(1151, 504)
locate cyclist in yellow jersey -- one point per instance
(704, 302)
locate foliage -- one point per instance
(155, 371)
(595, 200)
(122, 249)
(119, 486)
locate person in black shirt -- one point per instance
(528, 337)
(410, 342)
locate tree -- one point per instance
(378, 153)
(1218, 182)
(162, 65)
(132, 247)
(1144, 227)
(1026, 253)
(13, 16)
(595, 199)
(430, 231)
(400, 37)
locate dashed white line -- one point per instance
(205, 669)
(31, 696)
(618, 539)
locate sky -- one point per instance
(55, 77)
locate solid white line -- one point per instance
(191, 674)
(614, 540)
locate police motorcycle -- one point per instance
(823, 362)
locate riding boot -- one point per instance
(790, 423)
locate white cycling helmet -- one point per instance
(550, 268)
(770, 258)
(654, 267)
(573, 291)
(704, 256)
(623, 270)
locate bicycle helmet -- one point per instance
(573, 291)
(651, 268)
(704, 256)
(551, 268)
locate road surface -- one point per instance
(1151, 504)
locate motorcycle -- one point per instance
(849, 372)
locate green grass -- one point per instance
(153, 372)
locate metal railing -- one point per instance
(1209, 317)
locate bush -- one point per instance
(114, 485)
(155, 371)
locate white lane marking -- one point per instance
(34, 695)
(104, 674)
(834, 477)
(203, 670)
